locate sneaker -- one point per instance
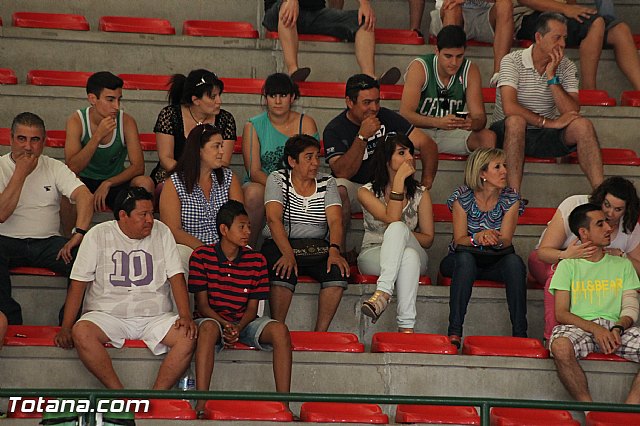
(375, 306)
(300, 74)
(494, 80)
(390, 76)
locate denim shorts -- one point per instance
(541, 143)
(250, 335)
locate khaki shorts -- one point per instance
(450, 141)
(477, 25)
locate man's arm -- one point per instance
(413, 81)
(180, 295)
(511, 106)
(9, 198)
(72, 305)
(84, 207)
(428, 155)
(77, 157)
(569, 9)
(474, 100)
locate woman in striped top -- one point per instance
(485, 214)
(303, 210)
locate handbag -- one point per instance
(486, 255)
(310, 250)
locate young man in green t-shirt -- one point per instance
(596, 305)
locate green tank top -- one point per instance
(434, 96)
(108, 160)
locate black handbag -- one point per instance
(310, 250)
(486, 255)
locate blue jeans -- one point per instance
(463, 270)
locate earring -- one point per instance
(484, 179)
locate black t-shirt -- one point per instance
(340, 133)
(304, 4)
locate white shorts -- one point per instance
(450, 141)
(477, 25)
(151, 330)
(352, 190)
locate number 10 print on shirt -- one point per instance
(134, 268)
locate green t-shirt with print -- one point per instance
(596, 287)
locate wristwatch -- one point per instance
(362, 138)
(552, 81)
(77, 230)
(619, 327)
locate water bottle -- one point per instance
(187, 383)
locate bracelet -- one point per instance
(473, 240)
(396, 196)
(619, 327)
(544, 120)
(362, 138)
(335, 246)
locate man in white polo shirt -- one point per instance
(31, 186)
(537, 110)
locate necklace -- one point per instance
(198, 122)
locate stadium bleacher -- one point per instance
(249, 59)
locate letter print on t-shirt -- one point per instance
(133, 268)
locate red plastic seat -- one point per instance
(446, 281)
(523, 347)
(61, 21)
(145, 81)
(322, 89)
(340, 412)
(30, 335)
(169, 409)
(595, 98)
(412, 343)
(219, 29)
(441, 213)
(251, 86)
(56, 138)
(489, 95)
(265, 411)
(32, 270)
(392, 92)
(8, 76)
(325, 341)
(531, 417)
(470, 42)
(58, 78)
(536, 216)
(134, 24)
(611, 156)
(5, 136)
(357, 278)
(636, 39)
(273, 35)
(597, 356)
(28, 412)
(397, 36)
(437, 414)
(147, 141)
(630, 98)
(602, 418)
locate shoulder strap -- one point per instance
(300, 128)
(250, 151)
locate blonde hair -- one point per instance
(477, 163)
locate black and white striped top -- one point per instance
(307, 215)
(517, 71)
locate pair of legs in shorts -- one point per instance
(332, 285)
(262, 333)
(95, 329)
(490, 24)
(460, 141)
(578, 135)
(569, 343)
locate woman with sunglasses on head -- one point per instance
(263, 139)
(304, 231)
(621, 206)
(198, 186)
(398, 227)
(485, 214)
(193, 100)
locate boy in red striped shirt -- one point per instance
(228, 280)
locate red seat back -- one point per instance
(437, 414)
(597, 356)
(412, 343)
(169, 409)
(58, 78)
(595, 98)
(30, 335)
(602, 418)
(273, 35)
(219, 29)
(56, 138)
(145, 81)
(134, 24)
(630, 98)
(148, 141)
(522, 347)
(8, 76)
(325, 341)
(531, 416)
(340, 412)
(397, 36)
(61, 21)
(272, 411)
(252, 86)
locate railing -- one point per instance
(485, 404)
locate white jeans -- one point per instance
(398, 262)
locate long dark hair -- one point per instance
(198, 83)
(188, 166)
(382, 155)
(623, 189)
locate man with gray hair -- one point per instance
(31, 186)
(537, 109)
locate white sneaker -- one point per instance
(494, 80)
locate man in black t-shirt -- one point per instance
(351, 138)
(290, 17)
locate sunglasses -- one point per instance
(134, 192)
(202, 81)
(443, 98)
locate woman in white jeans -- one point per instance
(398, 227)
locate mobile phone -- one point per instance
(462, 114)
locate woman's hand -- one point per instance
(339, 261)
(285, 265)
(575, 250)
(405, 170)
(487, 237)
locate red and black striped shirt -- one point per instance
(229, 284)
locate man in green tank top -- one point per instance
(99, 139)
(443, 95)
